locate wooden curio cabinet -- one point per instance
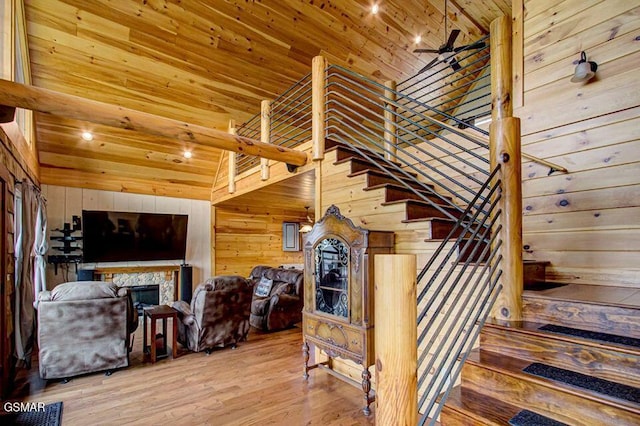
(338, 312)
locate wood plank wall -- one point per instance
(249, 236)
(64, 202)
(587, 222)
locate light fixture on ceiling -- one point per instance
(585, 70)
(187, 154)
(417, 39)
(375, 8)
(308, 226)
(87, 136)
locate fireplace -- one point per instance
(144, 296)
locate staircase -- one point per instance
(592, 381)
(495, 389)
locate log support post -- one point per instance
(265, 135)
(390, 126)
(504, 145)
(396, 335)
(318, 113)
(233, 170)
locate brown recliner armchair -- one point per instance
(218, 315)
(84, 326)
(282, 306)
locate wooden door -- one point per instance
(6, 282)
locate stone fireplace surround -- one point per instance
(164, 276)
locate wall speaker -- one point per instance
(186, 280)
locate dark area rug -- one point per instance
(606, 387)
(592, 335)
(50, 416)
(529, 418)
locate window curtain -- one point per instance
(30, 246)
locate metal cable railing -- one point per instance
(289, 122)
(457, 89)
(448, 170)
(444, 162)
(290, 115)
(248, 129)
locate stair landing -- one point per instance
(597, 294)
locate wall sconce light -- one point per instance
(308, 226)
(585, 70)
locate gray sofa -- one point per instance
(83, 327)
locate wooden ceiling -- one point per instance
(205, 62)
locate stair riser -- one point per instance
(374, 179)
(419, 211)
(591, 360)
(396, 194)
(606, 319)
(358, 165)
(552, 402)
(449, 417)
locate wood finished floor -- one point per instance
(260, 382)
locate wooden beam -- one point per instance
(55, 103)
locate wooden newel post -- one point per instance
(396, 335)
(390, 130)
(265, 135)
(504, 141)
(233, 171)
(318, 114)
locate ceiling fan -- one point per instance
(447, 52)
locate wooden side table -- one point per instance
(154, 313)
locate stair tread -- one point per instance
(533, 328)
(592, 294)
(381, 173)
(353, 151)
(396, 186)
(430, 219)
(481, 408)
(513, 367)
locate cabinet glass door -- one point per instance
(332, 277)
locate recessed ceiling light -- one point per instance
(375, 8)
(418, 39)
(187, 154)
(87, 136)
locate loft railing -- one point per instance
(288, 120)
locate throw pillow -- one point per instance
(264, 287)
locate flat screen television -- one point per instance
(124, 236)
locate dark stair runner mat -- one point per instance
(605, 387)
(529, 418)
(592, 335)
